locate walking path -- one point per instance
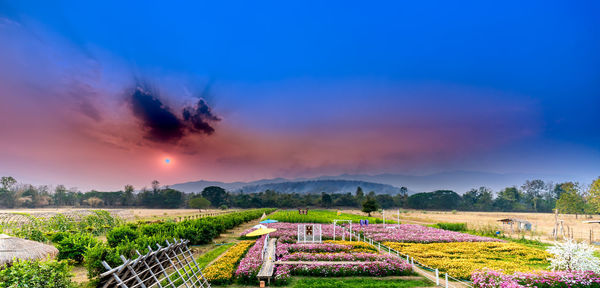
(266, 270)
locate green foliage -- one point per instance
(570, 201)
(438, 200)
(370, 205)
(60, 223)
(121, 234)
(459, 227)
(36, 274)
(98, 223)
(360, 283)
(216, 195)
(319, 216)
(199, 203)
(74, 246)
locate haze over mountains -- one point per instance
(458, 181)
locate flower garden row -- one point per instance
(458, 254)
(369, 262)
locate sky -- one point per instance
(98, 94)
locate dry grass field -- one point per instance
(543, 223)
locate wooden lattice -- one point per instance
(172, 266)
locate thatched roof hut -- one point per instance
(16, 248)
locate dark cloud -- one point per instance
(199, 117)
(163, 125)
(160, 123)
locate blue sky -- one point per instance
(514, 83)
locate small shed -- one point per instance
(12, 248)
(521, 225)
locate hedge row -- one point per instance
(126, 239)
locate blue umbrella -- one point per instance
(268, 221)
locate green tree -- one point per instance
(509, 200)
(60, 195)
(359, 195)
(326, 200)
(216, 195)
(533, 192)
(7, 182)
(8, 193)
(570, 201)
(199, 203)
(369, 205)
(594, 197)
(128, 196)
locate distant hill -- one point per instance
(458, 181)
(318, 186)
(287, 186)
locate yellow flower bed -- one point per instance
(357, 246)
(460, 259)
(222, 270)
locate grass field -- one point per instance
(319, 216)
(349, 282)
(211, 255)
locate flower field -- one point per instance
(459, 254)
(460, 259)
(249, 266)
(417, 234)
(539, 279)
(368, 261)
(222, 270)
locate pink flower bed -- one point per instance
(418, 234)
(539, 279)
(287, 233)
(312, 248)
(385, 266)
(301, 256)
(250, 264)
(376, 264)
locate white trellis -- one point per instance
(309, 233)
(335, 224)
(166, 267)
(398, 220)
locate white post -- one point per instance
(407, 260)
(446, 280)
(437, 277)
(334, 222)
(350, 230)
(389, 250)
(379, 246)
(412, 262)
(298, 232)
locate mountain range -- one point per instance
(458, 181)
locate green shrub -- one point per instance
(121, 234)
(74, 246)
(31, 232)
(459, 227)
(59, 236)
(38, 274)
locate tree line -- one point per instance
(532, 196)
